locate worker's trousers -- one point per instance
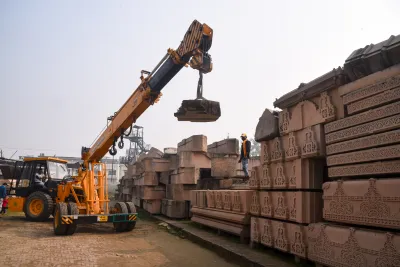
(1, 204)
(245, 165)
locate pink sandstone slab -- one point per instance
(373, 168)
(147, 178)
(198, 198)
(225, 147)
(364, 202)
(174, 209)
(152, 206)
(179, 191)
(284, 236)
(335, 245)
(155, 165)
(185, 176)
(222, 216)
(223, 167)
(165, 177)
(195, 143)
(265, 153)
(300, 206)
(152, 192)
(225, 183)
(237, 201)
(189, 159)
(255, 177)
(173, 162)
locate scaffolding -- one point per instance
(137, 146)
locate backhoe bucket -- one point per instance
(198, 110)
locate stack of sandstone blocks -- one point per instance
(186, 168)
(349, 118)
(225, 210)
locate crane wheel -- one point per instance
(120, 207)
(59, 228)
(72, 210)
(131, 209)
(38, 206)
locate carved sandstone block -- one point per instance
(375, 140)
(333, 245)
(185, 176)
(152, 206)
(267, 127)
(265, 153)
(152, 192)
(277, 153)
(195, 143)
(198, 198)
(255, 207)
(373, 168)
(221, 215)
(174, 209)
(367, 116)
(255, 177)
(223, 167)
(373, 154)
(210, 195)
(364, 202)
(155, 164)
(287, 237)
(373, 101)
(301, 207)
(189, 159)
(296, 174)
(374, 127)
(226, 147)
(237, 201)
(179, 191)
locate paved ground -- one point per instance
(34, 244)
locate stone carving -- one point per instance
(374, 101)
(367, 116)
(281, 241)
(255, 207)
(276, 151)
(310, 146)
(326, 109)
(378, 126)
(385, 167)
(293, 209)
(293, 151)
(254, 181)
(266, 236)
(227, 202)
(351, 254)
(364, 204)
(266, 206)
(373, 154)
(371, 90)
(218, 200)
(237, 204)
(255, 234)
(210, 199)
(284, 120)
(298, 247)
(365, 142)
(280, 180)
(388, 255)
(265, 153)
(320, 248)
(281, 210)
(292, 177)
(265, 181)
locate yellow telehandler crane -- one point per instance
(84, 198)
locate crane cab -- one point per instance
(34, 186)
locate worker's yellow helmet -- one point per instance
(243, 135)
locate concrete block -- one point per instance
(195, 143)
(225, 147)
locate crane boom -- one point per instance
(192, 51)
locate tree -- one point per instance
(255, 148)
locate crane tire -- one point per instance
(72, 210)
(131, 209)
(59, 228)
(121, 208)
(38, 206)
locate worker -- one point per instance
(39, 179)
(245, 155)
(3, 194)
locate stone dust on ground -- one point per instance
(25, 243)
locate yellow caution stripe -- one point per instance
(67, 220)
(132, 217)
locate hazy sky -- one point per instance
(65, 66)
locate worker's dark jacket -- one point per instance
(3, 191)
(248, 147)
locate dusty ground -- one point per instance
(25, 243)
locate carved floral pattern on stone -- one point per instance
(276, 151)
(298, 247)
(280, 180)
(227, 200)
(254, 181)
(326, 109)
(265, 153)
(321, 247)
(218, 200)
(293, 208)
(310, 146)
(255, 232)
(266, 207)
(237, 204)
(284, 121)
(340, 204)
(281, 210)
(292, 178)
(373, 205)
(266, 236)
(255, 203)
(210, 199)
(293, 151)
(351, 253)
(281, 241)
(384, 167)
(388, 255)
(265, 181)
